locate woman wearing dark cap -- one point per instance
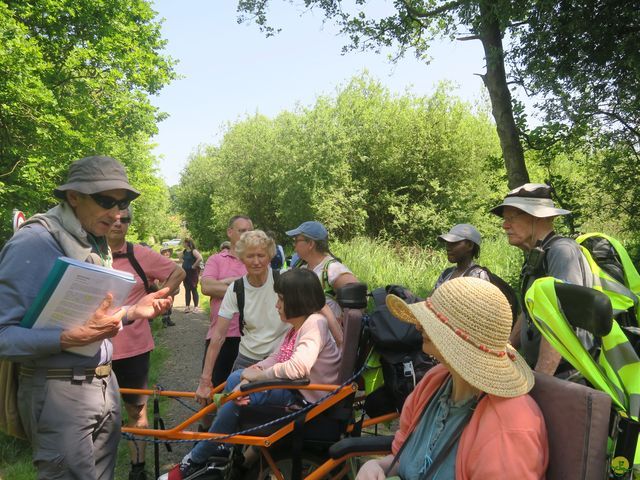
(471, 416)
(463, 246)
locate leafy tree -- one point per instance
(580, 59)
(75, 79)
(364, 162)
(414, 24)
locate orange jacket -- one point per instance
(505, 437)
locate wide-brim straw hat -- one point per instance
(532, 198)
(469, 320)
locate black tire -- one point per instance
(262, 471)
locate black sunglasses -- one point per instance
(125, 219)
(107, 202)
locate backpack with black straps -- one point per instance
(399, 346)
(616, 276)
(137, 267)
(238, 288)
(508, 291)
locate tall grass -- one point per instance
(379, 263)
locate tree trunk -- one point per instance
(496, 82)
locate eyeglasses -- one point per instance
(107, 202)
(511, 218)
(299, 239)
(125, 219)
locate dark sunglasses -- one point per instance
(125, 219)
(108, 202)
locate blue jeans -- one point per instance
(228, 416)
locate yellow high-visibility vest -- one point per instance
(622, 296)
(617, 370)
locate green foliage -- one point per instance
(364, 163)
(75, 76)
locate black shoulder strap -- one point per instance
(238, 288)
(134, 263)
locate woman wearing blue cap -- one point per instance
(462, 243)
(311, 244)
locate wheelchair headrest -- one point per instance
(352, 295)
(585, 308)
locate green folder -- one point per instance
(53, 279)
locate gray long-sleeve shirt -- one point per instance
(25, 262)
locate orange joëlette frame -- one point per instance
(262, 442)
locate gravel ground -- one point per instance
(185, 342)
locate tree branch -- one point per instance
(414, 12)
(470, 37)
(10, 171)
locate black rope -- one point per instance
(291, 415)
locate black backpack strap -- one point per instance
(238, 288)
(134, 263)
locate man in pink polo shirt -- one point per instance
(132, 345)
(220, 271)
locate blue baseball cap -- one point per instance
(312, 230)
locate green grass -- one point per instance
(380, 263)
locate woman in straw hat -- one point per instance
(470, 417)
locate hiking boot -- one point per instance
(185, 470)
(137, 472)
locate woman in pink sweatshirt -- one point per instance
(308, 350)
(469, 418)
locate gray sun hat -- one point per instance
(462, 231)
(96, 174)
(532, 198)
(312, 230)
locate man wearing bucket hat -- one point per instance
(69, 404)
(462, 243)
(527, 215)
(469, 417)
(311, 244)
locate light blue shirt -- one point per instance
(25, 262)
(439, 422)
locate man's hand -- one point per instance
(151, 305)
(203, 392)
(102, 324)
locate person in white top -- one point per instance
(311, 243)
(262, 329)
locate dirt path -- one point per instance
(185, 343)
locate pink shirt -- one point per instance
(219, 266)
(315, 356)
(136, 338)
(505, 437)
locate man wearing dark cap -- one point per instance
(69, 404)
(527, 215)
(311, 244)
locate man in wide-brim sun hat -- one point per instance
(471, 416)
(528, 213)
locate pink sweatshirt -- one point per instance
(315, 356)
(505, 437)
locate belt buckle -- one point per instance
(103, 370)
